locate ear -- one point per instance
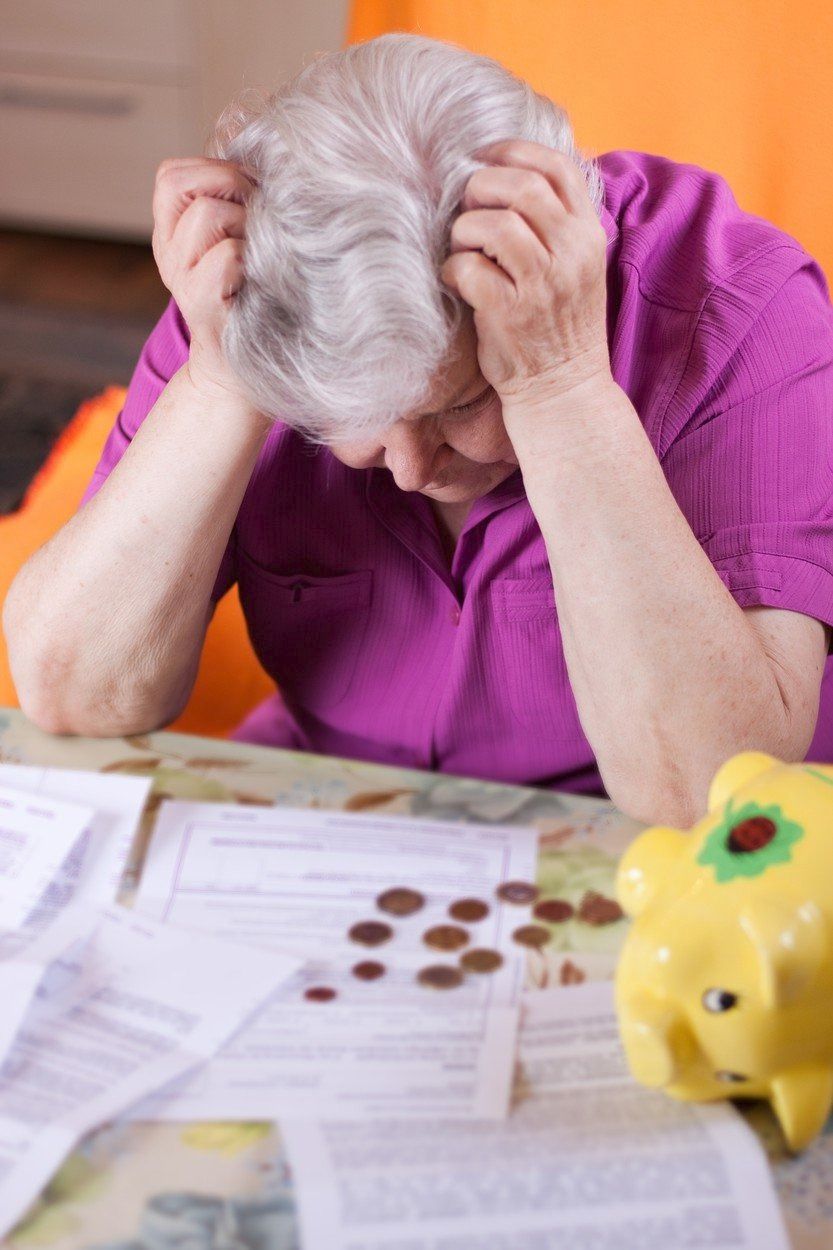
(791, 942)
(801, 1099)
(736, 773)
(644, 867)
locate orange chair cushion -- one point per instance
(216, 704)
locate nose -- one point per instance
(413, 460)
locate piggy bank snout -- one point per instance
(656, 1039)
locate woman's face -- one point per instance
(456, 449)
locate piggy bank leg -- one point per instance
(802, 1099)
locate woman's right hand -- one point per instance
(199, 215)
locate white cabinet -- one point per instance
(95, 93)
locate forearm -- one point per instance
(106, 621)
(668, 676)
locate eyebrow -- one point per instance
(468, 385)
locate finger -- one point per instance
(503, 236)
(475, 278)
(560, 170)
(178, 184)
(527, 192)
(205, 223)
(220, 271)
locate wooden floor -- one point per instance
(74, 314)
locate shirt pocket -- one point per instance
(530, 669)
(307, 631)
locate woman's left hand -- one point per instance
(528, 253)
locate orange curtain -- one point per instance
(743, 87)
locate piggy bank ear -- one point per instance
(644, 868)
(791, 942)
(736, 773)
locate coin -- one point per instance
(534, 935)
(445, 937)
(400, 901)
(319, 994)
(481, 960)
(596, 909)
(368, 970)
(440, 977)
(370, 933)
(519, 892)
(554, 910)
(570, 974)
(469, 910)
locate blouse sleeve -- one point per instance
(752, 467)
(164, 352)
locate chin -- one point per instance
(458, 492)
(466, 490)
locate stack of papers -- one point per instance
(360, 979)
(100, 1006)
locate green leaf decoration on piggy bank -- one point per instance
(724, 987)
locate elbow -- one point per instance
(651, 806)
(60, 697)
(37, 673)
(59, 713)
(658, 791)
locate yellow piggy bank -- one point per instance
(724, 988)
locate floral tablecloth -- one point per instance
(227, 1186)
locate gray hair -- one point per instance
(360, 162)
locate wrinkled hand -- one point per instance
(199, 213)
(528, 253)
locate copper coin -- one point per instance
(553, 910)
(534, 935)
(368, 970)
(481, 960)
(370, 933)
(597, 909)
(440, 977)
(469, 910)
(400, 901)
(445, 937)
(570, 974)
(519, 892)
(319, 994)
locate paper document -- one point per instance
(87, 877)
(357, 1033)
(129, 1009)
(587, 1158)
(36, 835)
(95, 867)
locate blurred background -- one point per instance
(95, 93)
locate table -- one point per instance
(227, 1186)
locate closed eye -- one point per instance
(479, 401)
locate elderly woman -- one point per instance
(522, 461)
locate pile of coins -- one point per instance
(449, 938)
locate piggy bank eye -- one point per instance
(719, 1000)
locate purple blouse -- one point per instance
(720, 329)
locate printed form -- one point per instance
(587, 1158)
(36, 835)
(300, 881)
(90, 851)
(95, 867)
(128, 1009)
